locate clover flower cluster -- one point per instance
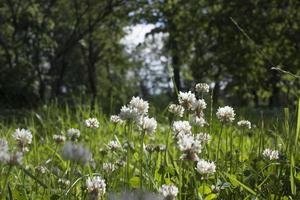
(59, 138)
(188, 144)
(92, 123)
(114, 145)
(206, 167)
(202, 88)
(96, 187)
(271, 154)
(169, 192)
(23, 137)
(244, 124)
(190, 104)
(74, 133)
(136, 111)
(226, 114)
(176, 109)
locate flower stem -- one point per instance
(219, 142)
(141, 159)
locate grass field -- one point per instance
(131, 156)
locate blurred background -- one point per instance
(105, 51)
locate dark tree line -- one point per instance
(58, 48)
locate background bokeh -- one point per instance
(107, 51)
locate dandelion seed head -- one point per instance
(226, 114)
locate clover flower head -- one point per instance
(271, 154)
(186, 99)
(202, 88)
(169, 192)
(92, 123)
(244, 124)
(96, 186)
(176, 109)
(206, 167)
(226, 114)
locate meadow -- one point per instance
(194, 149)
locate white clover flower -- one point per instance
(96, 186)
(203, 137)
(271, 154)
(23, 137)
(128, 113)
(199, 105)
(198, 121)
(116, 119)
(148, 125)
(4, 154)
(169, 191)
(114, 145)
(244, 124)
(202, 88)
(109, 167)
(140, 105)
(186, 99)
(92, 123)
(225, 114)
(190, 146)
(59, 138)
(181, 127)
(74, 133)
(206, 167)
(176, 109)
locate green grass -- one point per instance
(238, 176)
